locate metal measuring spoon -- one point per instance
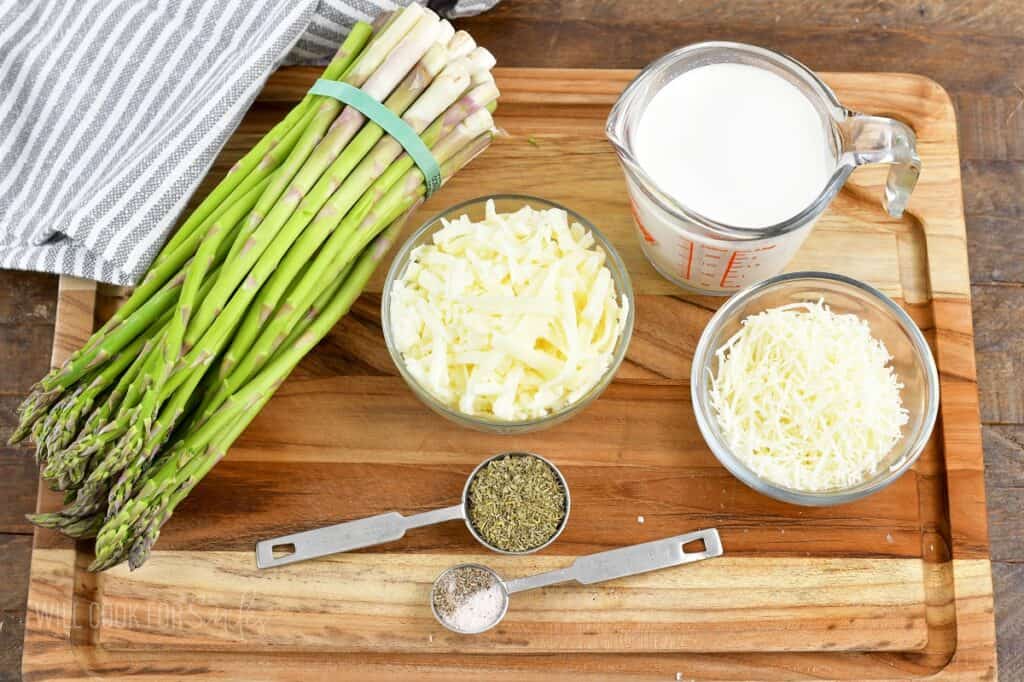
(388, 527)
(586, 570)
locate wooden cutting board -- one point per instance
(896, 586)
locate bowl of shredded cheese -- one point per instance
(507, 313)
(814, 388)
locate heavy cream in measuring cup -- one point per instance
(737, 144)
(731, 152)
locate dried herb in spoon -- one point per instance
(516, 503)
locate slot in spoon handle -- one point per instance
(345, 537)
(632, 560)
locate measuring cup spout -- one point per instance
(615, 126)
(627, 110)
(876, 139)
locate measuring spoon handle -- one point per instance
(345, 537)
(632, 560)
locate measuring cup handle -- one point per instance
(876, 139)
(341, 537)
(625, 561)
(429, 518)
(648, 556)
(345, 537)
(532, 582)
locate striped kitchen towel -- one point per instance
(111, 112)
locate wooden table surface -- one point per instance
(974, 48)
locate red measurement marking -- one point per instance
(689, 261)
(636, 218)
(728, 267)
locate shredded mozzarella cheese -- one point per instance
(510, 318)
(806, 397)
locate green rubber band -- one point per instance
(391, 123)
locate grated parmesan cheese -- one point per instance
(510, 318)
(806, 398)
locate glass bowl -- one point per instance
(507, 203)
(912, 362)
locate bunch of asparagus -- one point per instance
(253, 279)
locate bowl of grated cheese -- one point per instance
(507, 313)
(814, 388)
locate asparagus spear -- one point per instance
(162, 301)
(74, 460)
(386, 150)
(301, 169)
(105, 345)
(67, 419)
(277, 231)
(248, 172)
(42, 429)
(136, 527)
(440, 94)
(76, 527)
(129, 534)
(257, 159)
(290, 234)
(170, 416)
(329, 260)
(406, 93)
(95, 443)
(70, 465)
(260, 159)
(167, 351)
(139, 442)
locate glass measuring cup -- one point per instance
(709, 257)
(390, 526)
(585, 570)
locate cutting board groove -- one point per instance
(893, 587)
